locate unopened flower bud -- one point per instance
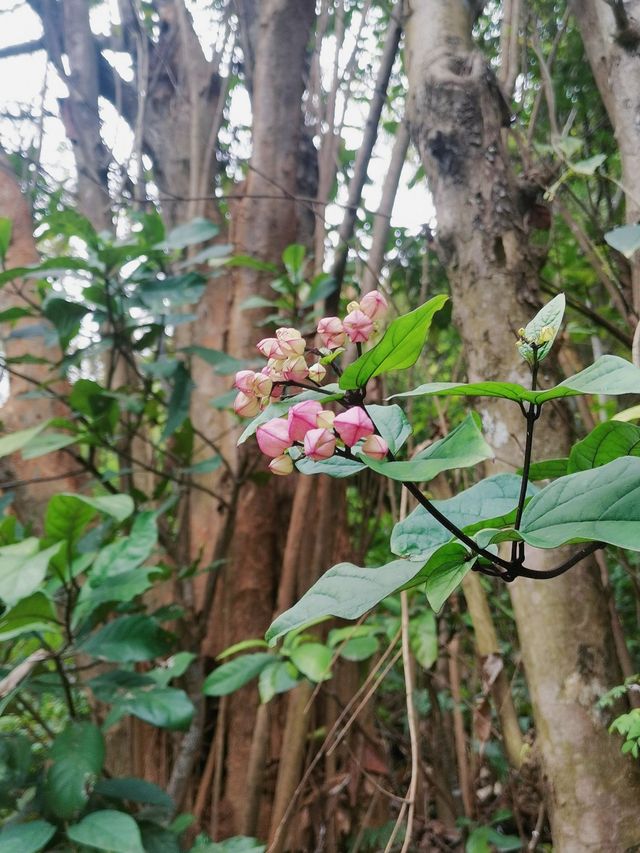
(273, 437)
(270, 348)
(302, 417)
(262, 385)
(317, 372)
(274, 368)
(331, 331)
(319, 444)
(358, 326)
(281, 465)
(246, 406)
(325, 419)
(244, 381)
(295, 369)
(353, 306)
(375, 446)
(374, 305)
(291, 342)
(353, 425)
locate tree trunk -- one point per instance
(611, 41)
(457, 113)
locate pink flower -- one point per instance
(319, 444)
(270, 348)
(262, 385)
(358, 326)
(325, 419)
(374, 305)
(246, 406)
(244, 381)
(281, 465)
(302, 418)
(295, 369)
(273, 368)
(273, 437)
(291, 342)
(374, 446)
(353, 425)
(331, 331)
(317, 372)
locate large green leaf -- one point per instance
(445, 572)
(542, 330)
(398, 349)
(47, 442)
(121, 587)
(129, 552)
(278, 677)
(129, 639)
(135, 791)
(118, 507)
(26, 837)
(164, 707)
(346, 591)
(66, 517)
(280, 409)
(462, 447)
(625, 239)
(602, 504)
(34, 613)
(392, 424)
(179, 401)
(109, 830)
(423, 638)
(605, 443)
(313, 660)
(335, 466)
(547, 469)
(19, 440)
(608, 375)
(234, 674)
(489, 503)
(76, 756)
(22, 569)
(196, 231)
(5, 236)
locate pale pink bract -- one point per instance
(246, 406)
(281, 465)
(319, 444)
(273, 437)
(331, 331)
(302, 417)
(374, 305)
(358, 326)
(375, 446)
(353, 425)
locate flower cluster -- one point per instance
(288, 356)
(318, 433)
(315, 432)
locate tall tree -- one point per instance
(457, 115)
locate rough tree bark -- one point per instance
(457, 113)
(611, 37)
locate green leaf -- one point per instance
(313, 660)
(606, 442)
(625, 239)
(236, 673)
(293, 260)
(398, 349)
(548, 469)
(118, 507)
(542, 330)
(164, 707)
(486, 839)
(588, 167)
(608, 375)
(462, 447)
(135, 791)
(128, 639)
(196, 231)
(277, 410)
(9, 315)
(176, 666)
(51, 266)
(345, 591)
(26, 837)
(335, 466)
(5, 236)
(445, 572)
(47, 442)
(176, 290)
(124, 586)
(18, 440)
(359, 648)
(631, 414)
(22, 569)
(109, 830)
(257, 302)
(179, 401)
(392, 424)
(237, 844)
(130, 551)
(34, 613)
(66, 517)
(602, 504)
(224, 364)
(423, 638)
(65, 316)
(242, 646)
(278, 677)
(77, 757)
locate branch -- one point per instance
(21, 49)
